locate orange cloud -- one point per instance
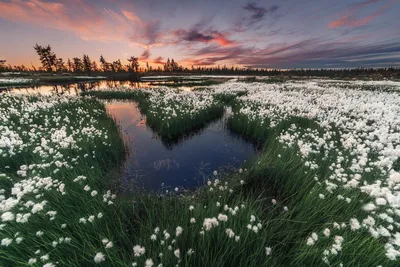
(86, 21)
(348, 20)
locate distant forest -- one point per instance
(85, 65)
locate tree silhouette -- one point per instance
(2, 64)
(60, 65)
(133, 64)
(104, 64)
(117, 66)
(69, 65)
(46, 56)
(78, 65)
(87, 64)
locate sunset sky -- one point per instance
(270, 33)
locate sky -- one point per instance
(264, 34)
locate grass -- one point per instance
(169, 115)
(276, 194)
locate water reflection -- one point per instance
(154, 165)
(77, 87)
(73, 88)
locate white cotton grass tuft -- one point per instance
(138, 251)
(99, 257)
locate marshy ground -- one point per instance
(323, 190)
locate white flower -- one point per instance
(138, 251)
(191, 208)
(314, 236)
(252, 218)
(44, 257)
(310, 241)
(192, 220)
(39, 233)
(179, 231)
(229, 232)
(99, 257)
(222, 217)
(190, 252)
(177, 253)
(210, 223)
(354, 224)
(7, 216)
(153, 237)
(273, 201)
(32, 261)
(93, 193)
(86, 188)
(268, 251)
(327, 232)
(6, 242)
(237, 238)
(109, 245)
(215, 173)
(149, 263)
(381, 201)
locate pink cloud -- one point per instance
(349, 19)
(84, 20)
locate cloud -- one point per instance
(308, 53)
(159, 60)
(145, 55)
(349, 19)
(258, 13)
(88, 21)
(194, 35)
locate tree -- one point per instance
(167, 65)
(70, 65)
(47, 57)
(78, 65)
(87, 64)
(133, 64)
(174, 65)
(2, 64)
(117, 66)
(104, 64)
(94, 66)
(60, 65)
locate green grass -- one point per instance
(170, 126)
(278, 174)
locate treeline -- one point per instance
(53, 64)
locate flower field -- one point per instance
(16, 81)
(324, 191)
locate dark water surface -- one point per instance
(155, 166)
(151, 164)
(76, 88)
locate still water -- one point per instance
(78, 87)
(152, 165)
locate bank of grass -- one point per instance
(170, 126)
(278, 174)
(94, 159)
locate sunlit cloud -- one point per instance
(349, 19)
(236, 32)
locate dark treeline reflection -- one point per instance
(74, 88)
